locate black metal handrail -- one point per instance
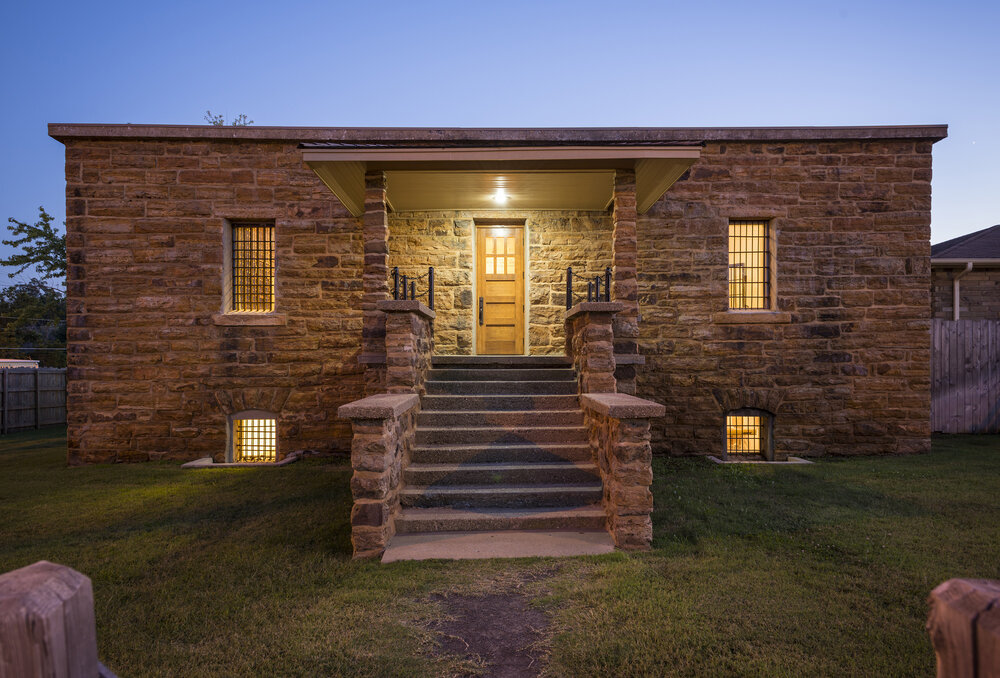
(409, 286)
(593, 287)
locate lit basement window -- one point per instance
(746, 435)
(255, 440)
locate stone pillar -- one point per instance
(409, 344)
(384, 429)
(625, 284)
(375, 281)
(618, 429)
(590, 344)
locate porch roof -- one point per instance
(524, 176)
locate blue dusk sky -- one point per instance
(518, 64)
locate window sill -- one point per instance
(752, 318)
(249, 319)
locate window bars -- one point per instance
(255, 440)
(744, 435)
(749, 265)
(253, 267)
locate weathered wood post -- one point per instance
(964, 625)
(47, 625)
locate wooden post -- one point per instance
(38, 403)
(964, 625)
(47, 625)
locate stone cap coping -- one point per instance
(382, 406)
(594, 307)
(621, 405)
(493, 135)
(405, 305)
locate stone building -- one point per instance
(765, 292)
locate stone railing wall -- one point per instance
(384, 428)
(590, 344)
(618, 428)
(409, 344)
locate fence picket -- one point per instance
(32, 398)
(965, 376)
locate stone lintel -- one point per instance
(621, 405)
(594, 307)
(382, 406)
(405, 306)
(249, 319)
(752, 318)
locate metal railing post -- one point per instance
(607, 283)
(569, 287)
(395, 282)
(430, 287)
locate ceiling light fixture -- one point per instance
(500, 196)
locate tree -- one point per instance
(42, 247)
(240, 120)
(32, 317)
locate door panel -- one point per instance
(500, 286)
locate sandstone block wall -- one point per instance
(150, 374)
(849, 368)
(978, 291)
(446, 241)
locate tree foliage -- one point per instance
(240, 120)
(33, 316)
(41, 245)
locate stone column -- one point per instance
(625, 285)
(590, 344)
(375, 281)
(409, 344)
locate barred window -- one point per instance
(255, 439)
(253, 267)
(749, 265)
(748, 435)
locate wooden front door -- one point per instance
(500, 286)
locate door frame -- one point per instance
(495, 222)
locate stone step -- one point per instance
(501, 361)
(506, 374)
(521, 403)
(438, 475)
(506, 496)
(501, 387)
(416, 520)
(499, 453)
(466, 435)
(502, 418)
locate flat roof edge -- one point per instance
(489, 135)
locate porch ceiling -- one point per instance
(557, 177)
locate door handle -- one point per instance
(480, 310)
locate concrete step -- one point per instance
(502, 418)
(495, 403)
(501, 387)
(506, 496)
(440, 475)
(468, 435)
(500, 453)
(499, 544)
(501, 361)
(416, 520)
(506, 374)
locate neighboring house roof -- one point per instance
(984, 244)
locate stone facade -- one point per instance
(590, 344)
(446, 241)
(847, 351)
(156, 366)
(979, 293)
(151, 360)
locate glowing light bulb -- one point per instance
(500, 196)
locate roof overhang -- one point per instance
(532, 177)
(962, 261)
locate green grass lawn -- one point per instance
(798, 571)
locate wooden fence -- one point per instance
(32, 398)
(965, 376)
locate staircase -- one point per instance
(500, 445)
